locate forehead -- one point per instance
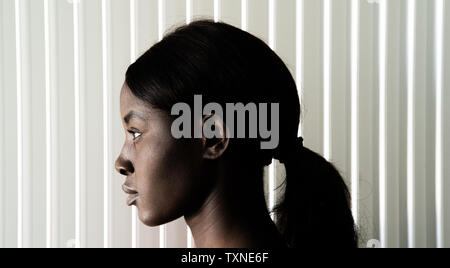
(129, 102)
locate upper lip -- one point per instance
(128, 189)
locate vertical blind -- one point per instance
(373, 76)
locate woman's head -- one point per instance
(224, 65)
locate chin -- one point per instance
(149, 219)
(153, 219)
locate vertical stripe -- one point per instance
(272, 187)
(105, 125)
(19, 126)
(189, 8)
(217, 11)
(354, 106)
(161, 18)
(299, 55)
(439, 24)
(189, 237)
(382, 118)
(2, 133)
(76, 46)
(244, 13)
(48, 138)
(410, 120)
(162, 236)
(327, 77)
(272, 34)
(313, 93)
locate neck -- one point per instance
(233, 218)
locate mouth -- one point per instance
(133, 195)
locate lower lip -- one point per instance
(131, 200)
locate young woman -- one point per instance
(216, 184)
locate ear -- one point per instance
(214, 138)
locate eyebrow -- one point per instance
(133, 114)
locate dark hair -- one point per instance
(227, 65)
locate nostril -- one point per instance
(124, 166)
(123, 172)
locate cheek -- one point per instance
(166, 174)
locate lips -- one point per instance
(133, 195)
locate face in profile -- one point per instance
(162, 173)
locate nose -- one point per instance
(124, 166)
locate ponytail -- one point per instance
(315, 209)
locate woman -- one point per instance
(217, 183)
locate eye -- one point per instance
(135, 134)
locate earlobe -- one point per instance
(214, 139)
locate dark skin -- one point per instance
(169, 178)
